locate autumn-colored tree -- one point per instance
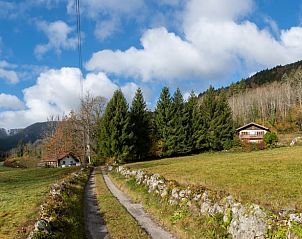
(67, 138)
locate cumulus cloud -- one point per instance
(7, 73)
(10, 102)
(57, 92)
(58, 34)
(164, 56)
(216, 40)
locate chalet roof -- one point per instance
(68, 154)
(252, 124)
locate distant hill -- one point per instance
(272, 97)
(264, 77)
(10, 139)
(4, 133)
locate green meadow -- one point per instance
(271, 178)
(21, 193)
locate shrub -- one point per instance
(270, 139)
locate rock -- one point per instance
(164, 193)
(247, 223)
(295, 218)
(174, 193)
(205, 207)
(196, 197)
(42, 225)
(205, 196)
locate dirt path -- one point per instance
(95, 227)
(137, 211)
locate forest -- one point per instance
(207, 122)
(270, 97)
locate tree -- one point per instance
(270, 139)
(216, 132)
(115, 131)
(163, 118)
(176, 141)
(223, 123)
(191, 122)
(90, 113)
(141, 127)
(67, 138)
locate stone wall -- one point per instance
(243, 221)
(53, 219)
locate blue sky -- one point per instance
(136, 43)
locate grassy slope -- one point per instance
(271, 178)
(119, 222)
(21, 192)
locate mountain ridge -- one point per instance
(30, 134)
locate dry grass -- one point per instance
(271, 178)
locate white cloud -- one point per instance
(10, 102)
(164, 55)
(108, 14)
(106, 28)
(10, 76)
(57, 92)
(58, 34)
(216, 41)
(7, 73)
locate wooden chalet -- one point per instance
(64, 160)
(252, 132)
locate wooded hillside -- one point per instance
(271, 97)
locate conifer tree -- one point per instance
(163, 118)
(224, 123)
(216, 117)
(176, 142)
(116, 136)
(140, 125)
(190, 122)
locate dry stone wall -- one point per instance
(243, 221)
(53, 211)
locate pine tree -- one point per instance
(116, 136)
(176, 141)
(224, 123)
(216, 117)
(199, 128)
(190, 122)
(163, 118)
(140, 124)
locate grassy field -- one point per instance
(119, 222)
(271, 178)
(21, 192)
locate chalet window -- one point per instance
(64, 162)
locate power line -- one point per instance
(78, 14)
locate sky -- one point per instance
(190, 44)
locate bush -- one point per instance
(270, 139)
(248, 147)
(21, 162)
(98, 162)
